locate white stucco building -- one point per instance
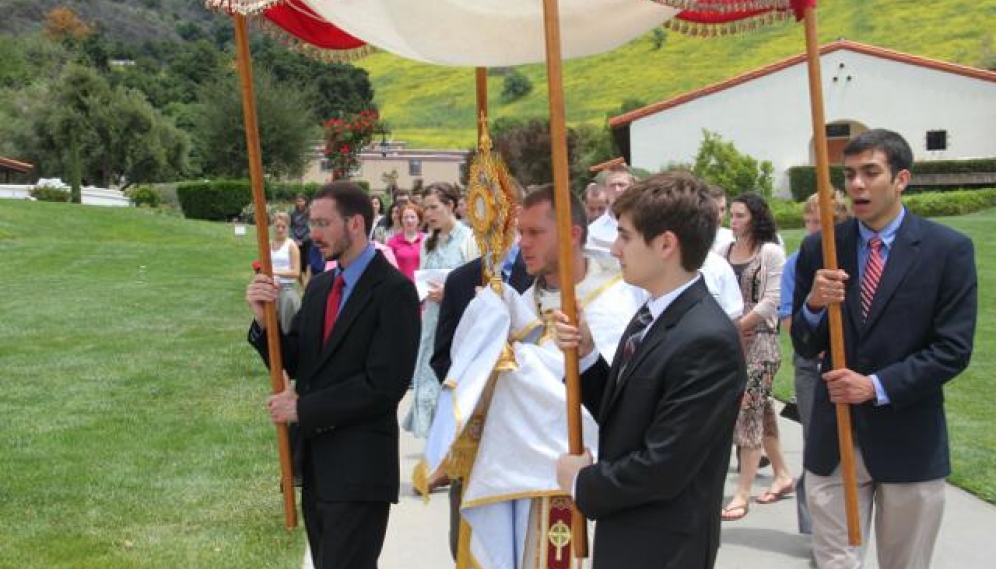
(945, 111)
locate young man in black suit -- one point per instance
(908, 288)
(352, 349)
(667, 405)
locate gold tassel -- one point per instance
(420, 479)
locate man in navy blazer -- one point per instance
(908, 288)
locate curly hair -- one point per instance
(762, 222)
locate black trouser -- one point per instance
(344, 535)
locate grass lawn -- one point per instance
(969, 397)
(131, 411)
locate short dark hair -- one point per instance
(762, 222)
(350, 200)
(544, 193)
(897, 151)
(677, 202)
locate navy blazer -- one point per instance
(349, 388)
(665, 430)
(918, 336)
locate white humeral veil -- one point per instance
(526, 426)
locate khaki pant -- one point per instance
(907, 520)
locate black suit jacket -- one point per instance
(918, 335)
(349, 389)
(460, 287)
(666, 426)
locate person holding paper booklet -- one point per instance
(448, 245)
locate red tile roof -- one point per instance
(974, 72)
(16, 165)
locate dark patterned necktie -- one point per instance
(635, 335)
(871, 276)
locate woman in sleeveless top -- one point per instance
(286, 259)
(757, 260)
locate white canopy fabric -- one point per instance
(490, 33)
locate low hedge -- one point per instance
(218, 200)
(802, 179)
(48, 194)
(222, 200)
(144, 196)
(788, 214)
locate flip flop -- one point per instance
(770, 497)
(734, 513)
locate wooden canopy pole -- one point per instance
(263, 242)
(847, 468)
(561, 195)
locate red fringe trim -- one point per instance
(303, 47)
(744, 25)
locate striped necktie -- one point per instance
(634, 337)
(872, 274)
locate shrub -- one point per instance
(955, 202)
(802, 179)
(288, 191)
(49, 194)
(788, 214)
(719, 162)
(218, 200)
(516, 86)
(144, 196)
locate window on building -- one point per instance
(839, 130)
(414, 167)
(937, 140)
(325, 165)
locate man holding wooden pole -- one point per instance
(908, 288)
(352, 350)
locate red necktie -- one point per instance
(332, 307)
(873, 272)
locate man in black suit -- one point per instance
(667, 405)
(908, 288)
(352, 349)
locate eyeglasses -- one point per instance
(319, 223)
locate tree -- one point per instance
(62, 25)
(515, 86)
(198, 63)
(287, 131)
(719, 162)
(103, 135)
(331, 89)
(525, 146)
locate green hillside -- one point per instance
(410, 94)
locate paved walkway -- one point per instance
(766, 538)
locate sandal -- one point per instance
(770, 497)
(734, 513)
